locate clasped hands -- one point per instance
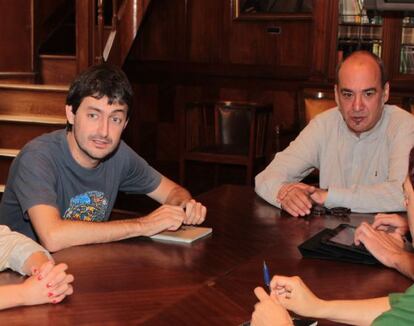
(49, 283)
(297, 198)
(171, 217)
(286, 293)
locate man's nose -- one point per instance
(357, 105)
(103, 128)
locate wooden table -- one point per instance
(210, 282)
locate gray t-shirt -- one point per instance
(45, 172)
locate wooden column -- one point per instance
(84, 34)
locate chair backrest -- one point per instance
(234, 124)
(236, 127)
(312, 102)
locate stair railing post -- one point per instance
(85, 26)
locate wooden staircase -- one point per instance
(27, 111)
(32, 98)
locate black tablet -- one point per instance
(343, 237)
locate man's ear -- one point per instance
(386, 94)
(126, 123)
(336, 94)
(69, 114)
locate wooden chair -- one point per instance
(225, 133)
(312, 102)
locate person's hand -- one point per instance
(319, 196)
(166, 217)
(295, 296)
(384, 221)
(50, 284)
(285, 188)
(195, 212)
(295, 198)
(268, 311)
(388, 248)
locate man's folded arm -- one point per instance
(56, 233)
(291, 165)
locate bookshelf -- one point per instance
(357, 29)
(407, 46)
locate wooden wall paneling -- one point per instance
(207, 35)
(324, 36)
(166, 95)
(162, 35)
(294, 44)
(332, 42)
(254, 43)
(16, 35)
(141, 132)
(250, 43)
(167, 142)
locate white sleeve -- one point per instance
(293, 164)
(16, 248)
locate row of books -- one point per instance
(351, 7)
(407, 35)
(408, 20)
(407, 60)
(346, 48)
(363, 32)
(352, 11)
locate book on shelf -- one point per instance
(185, 234)
(350, 11)
(407, 60)
(407, 35)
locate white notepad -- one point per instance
(186, 233)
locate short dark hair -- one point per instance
(377, 59)
(99, 81)
(411, 167)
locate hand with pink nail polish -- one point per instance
(50, 285)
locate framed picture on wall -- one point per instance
(271, 9)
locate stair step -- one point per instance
(9, 152)
(34, 119)
(13, 77)
(17, 130)
(57, 69)
(33, 99)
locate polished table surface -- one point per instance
(208, 282)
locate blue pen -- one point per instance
(266, 275)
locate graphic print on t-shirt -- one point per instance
(89, 206)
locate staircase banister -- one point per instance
(128, 20)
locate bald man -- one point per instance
(360, 147)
